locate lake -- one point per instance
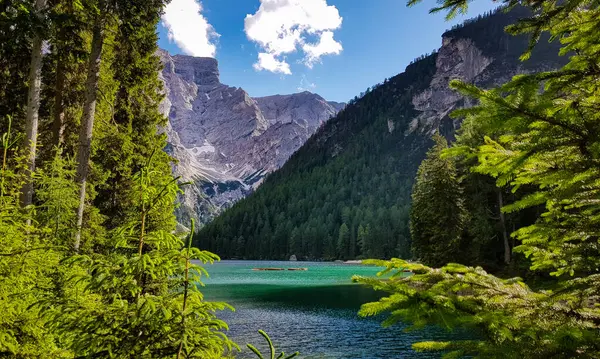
(314, 311)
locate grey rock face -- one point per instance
(225, 142)
(459, 58)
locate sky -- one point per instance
(336, 48)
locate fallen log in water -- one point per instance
(268, 269)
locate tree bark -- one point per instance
(87, 121)
(507, 251)
(58, 125)
(59, 110)
(33, 107)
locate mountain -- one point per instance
(225, 142)
(346, 192)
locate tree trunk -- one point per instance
(58, 125)
(504, 232)
(87, 121)
(59, 110)
(33, 106)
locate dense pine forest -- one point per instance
(347, 192)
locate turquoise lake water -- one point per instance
(314, 311)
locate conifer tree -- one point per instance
(437, 216)
(343, 244)
(123, 149)
(141, 301)
(89, 113)
(487, 231)
(67, 42)
(130, 292)
(28, 258)
(549, 142)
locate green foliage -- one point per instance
(133, 288)
(15, 26)
(343, 244)
(541, 141)
(131, 137)
(485, 240)
(513, 320)
(142, 298)
(271, 349)
(27, 264)
(58, 193)
(438, 215)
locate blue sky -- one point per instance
(336, 48)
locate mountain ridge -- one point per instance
(219, 135)
(346, 192)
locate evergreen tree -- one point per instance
(343, 243)
(549, 143)
(486, 241)
(437, 217)
(89, 111)
(28, 257)
(143, 298)
(129, 290)
(123, 149)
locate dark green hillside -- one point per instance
(346, 193)
(354, 172)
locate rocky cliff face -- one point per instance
(456, 59)
(224, 140)
(489, 63)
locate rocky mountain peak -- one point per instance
(225, 141)
(202, 71)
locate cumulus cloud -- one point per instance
(281, 27)
(267, 61)
(189, 29)
(326, 46)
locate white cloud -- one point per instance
(326, 46)
(268, 62)
(281, 27)
(189, 29)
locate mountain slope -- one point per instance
(346, 192)
(224, 140)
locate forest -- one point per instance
(91, 263)
(346, 194)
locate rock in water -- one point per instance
(225, 142)
(293, 258)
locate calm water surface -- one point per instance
(311, 311)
